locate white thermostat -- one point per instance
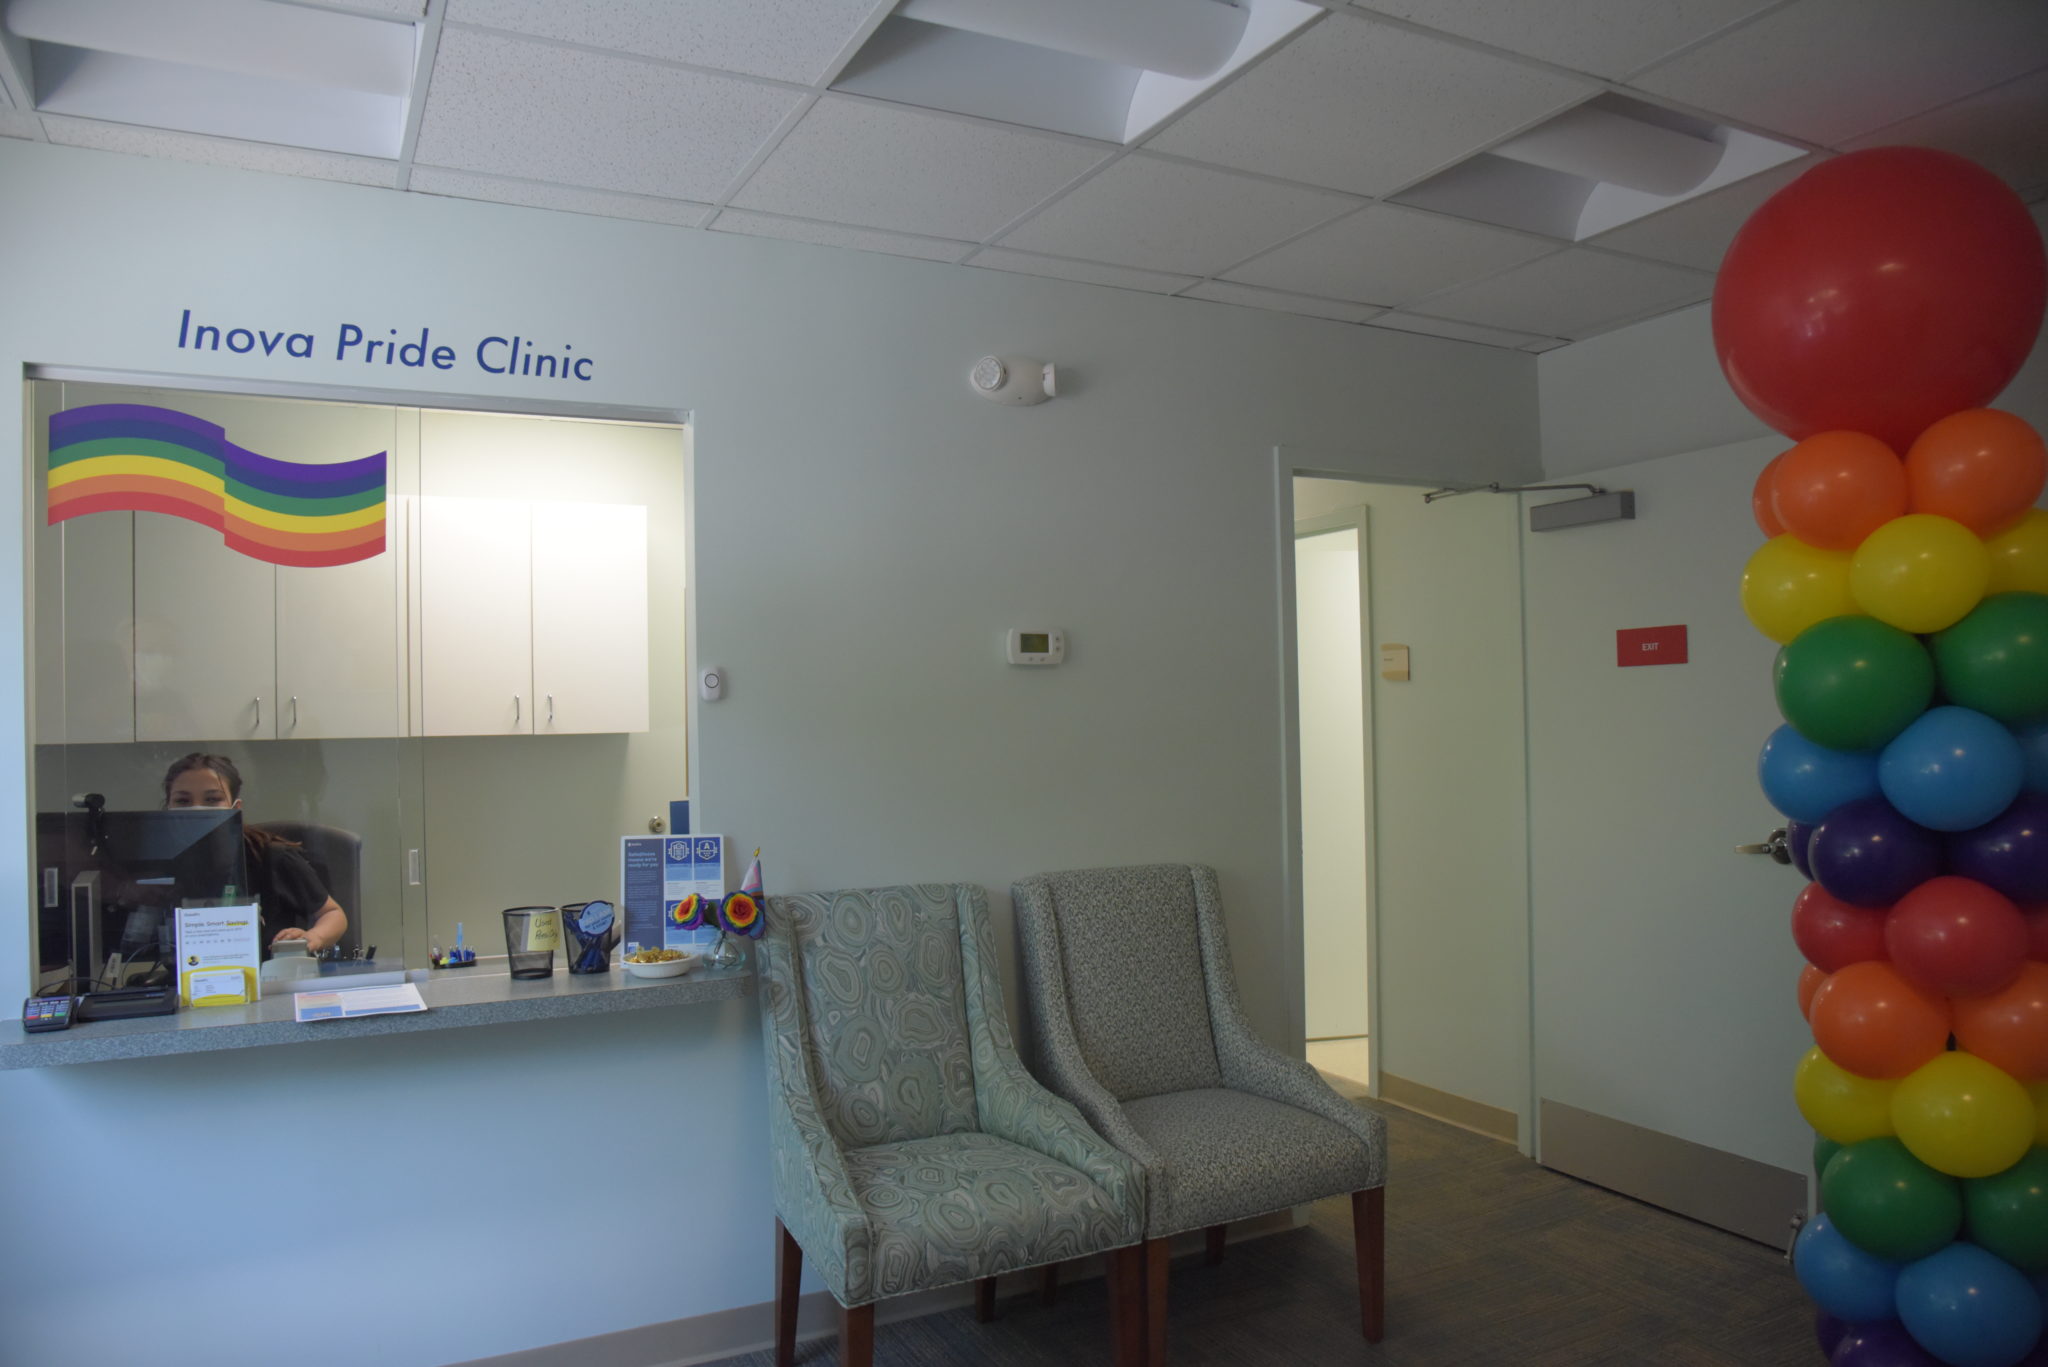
(710, 684)
(1037, 647)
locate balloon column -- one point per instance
(1870, 311)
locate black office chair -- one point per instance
(337, 856)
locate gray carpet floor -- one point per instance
(1490, 1260)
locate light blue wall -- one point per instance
(866, 529)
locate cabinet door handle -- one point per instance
(295, 711)
(551, 709)
(259, 712)
(515, 709)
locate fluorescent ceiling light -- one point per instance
(248, 69)
(1108, 69)
(1595, 167)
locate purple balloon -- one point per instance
(2009, 852)
(1829, 1329)
(1882, 1344)
(1798, 837)
(1869, 856)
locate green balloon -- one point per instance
(1996, 659)
(1852, 683)
(2008, 1212)
(1889, 1203)
(1824, 1148)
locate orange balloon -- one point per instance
(1871, 1022)
(1981, 467)
(1835, 488)
(1760, 500)
(1810, 979)
(2009, 1028)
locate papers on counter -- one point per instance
(356, 1001)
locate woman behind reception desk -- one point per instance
(294, 904)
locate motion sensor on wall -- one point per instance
(1012, 379)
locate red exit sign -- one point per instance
(1649, 646)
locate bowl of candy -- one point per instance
(658, 963)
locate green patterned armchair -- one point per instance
(911, 1149)
(1129, 988)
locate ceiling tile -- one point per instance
(1163, 215)
(881, 166)
(542, 112)
(250, 156)
(1697, 232)
(1606, 37)
(1385, 255)
(1831, 70)
(1457, 332)
(1118, 277)
(786, 40)
(835, 235)
(1575, 293)
(434, 180)
(2005, 129)
(1366, 107)
(1222, 292)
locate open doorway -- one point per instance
(1332, 631)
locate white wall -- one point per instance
(1450, 815)
(865, 531)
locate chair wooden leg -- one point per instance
(1155, 1302)
(1369, 1232)
(1049, 1285)
(789, 1272)
(1214, 1234)
(985, 1300)
(1127, 1306)
(857, 1336)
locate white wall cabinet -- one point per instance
(340, 665)
(589, 617)
(85, 630)
(205, 636)
(533, 617)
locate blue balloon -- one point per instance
(1842, 1279)
(2033, 741)
(1868, 855)
(1952, 769)
(1807, 781)
(1970, 1308)
(1882, 1344)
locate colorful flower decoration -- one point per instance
(740, 914)
(692, 913)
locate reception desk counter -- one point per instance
(454, 999)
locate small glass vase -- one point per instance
(725, 952)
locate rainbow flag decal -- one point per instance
(124, 457)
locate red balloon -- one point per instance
(1878, 292)
(1760, 500)
(1982, 467)
(2037, 932)
(1832, 934)
(1957, 937)
(1871, 1021)
(2009, 1028)
(1835, 488)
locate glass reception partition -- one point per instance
(441, 650)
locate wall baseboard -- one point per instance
(1712, 1186)
(1477, 1116)
(751, 1328)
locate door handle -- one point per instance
(1773, 845)
(295, 711)
(551, 709)
(259, 712)
(515, 709)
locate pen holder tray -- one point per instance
(591, 930)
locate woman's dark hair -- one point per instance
(220, 764)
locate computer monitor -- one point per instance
(124, 872)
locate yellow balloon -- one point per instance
(1788, 586)
(1920, 573)
(2019, 556)
(1839, 1104)
(1963, 1116)
(2039, 1093)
